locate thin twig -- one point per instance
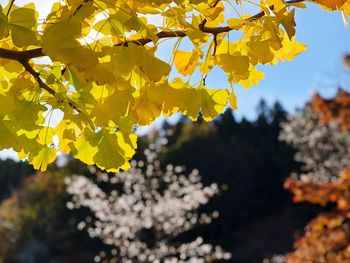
(11, 4)
(36, 76)
(35, 53)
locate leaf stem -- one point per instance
(11, 4)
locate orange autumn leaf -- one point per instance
(327, 237)
(335, 109)
(330, 4)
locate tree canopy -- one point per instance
(95, 65)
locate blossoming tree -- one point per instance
(324, 148)
(145, 210)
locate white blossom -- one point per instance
(324, 150)
(145, 211)
(275, 259)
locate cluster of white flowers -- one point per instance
(324, 150)
(275, 259)
(145, 211)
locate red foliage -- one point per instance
(326, 240)
(327, 237)
(334, 192)
(336, 109)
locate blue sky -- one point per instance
(292, 83)
(319, 68)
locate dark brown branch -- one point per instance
(36, 76)
(43, 85)
(202, 27)
(21, 55)
(81, 6)
(35, 53)
(294, 1)
(10, 7)
(202, 24)
(160, 35)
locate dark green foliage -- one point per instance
(247, 159)
(12, 174)
(39, 227)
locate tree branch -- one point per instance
(35, 53)
(160, 35)
(202, 27)
(21, 55)
(36, 76)
(43, 85)
(11, 4)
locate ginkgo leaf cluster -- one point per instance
(95, 63)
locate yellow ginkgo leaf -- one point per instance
(152, 66)
(107, 149)
(7, 104)
(277, 4)
(27, 116)
(100, 66)
(170, 98)
(3, 25)
(134, 56)
(346, 8)
(208, 102)
(185, 62)
(22, 36)
(233, 100)
(253, 79)
(234, 64)
(8, 139)
(21, 21)
(75, 3)
(42, 158)
(69, 50)
(122, 22)
(24, 17)
(84, 148)
(259, 51)
(113, 107)
(213, 102)
(113, 151)
(291, 48)
(236, 23)
(67, 131)
(145, 109)
(287, 20)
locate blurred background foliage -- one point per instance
(245, 158)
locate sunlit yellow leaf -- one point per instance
(7, 104)
(236, 23)
(254, 77)
(24, 17)
(113, 107)
(145, 109)
(290, 49)
(233, 100)
(185, 62)
(69, 50)
(233, 64)
(41, 159)
(22, 36)
(108, 150)
(287, 20)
